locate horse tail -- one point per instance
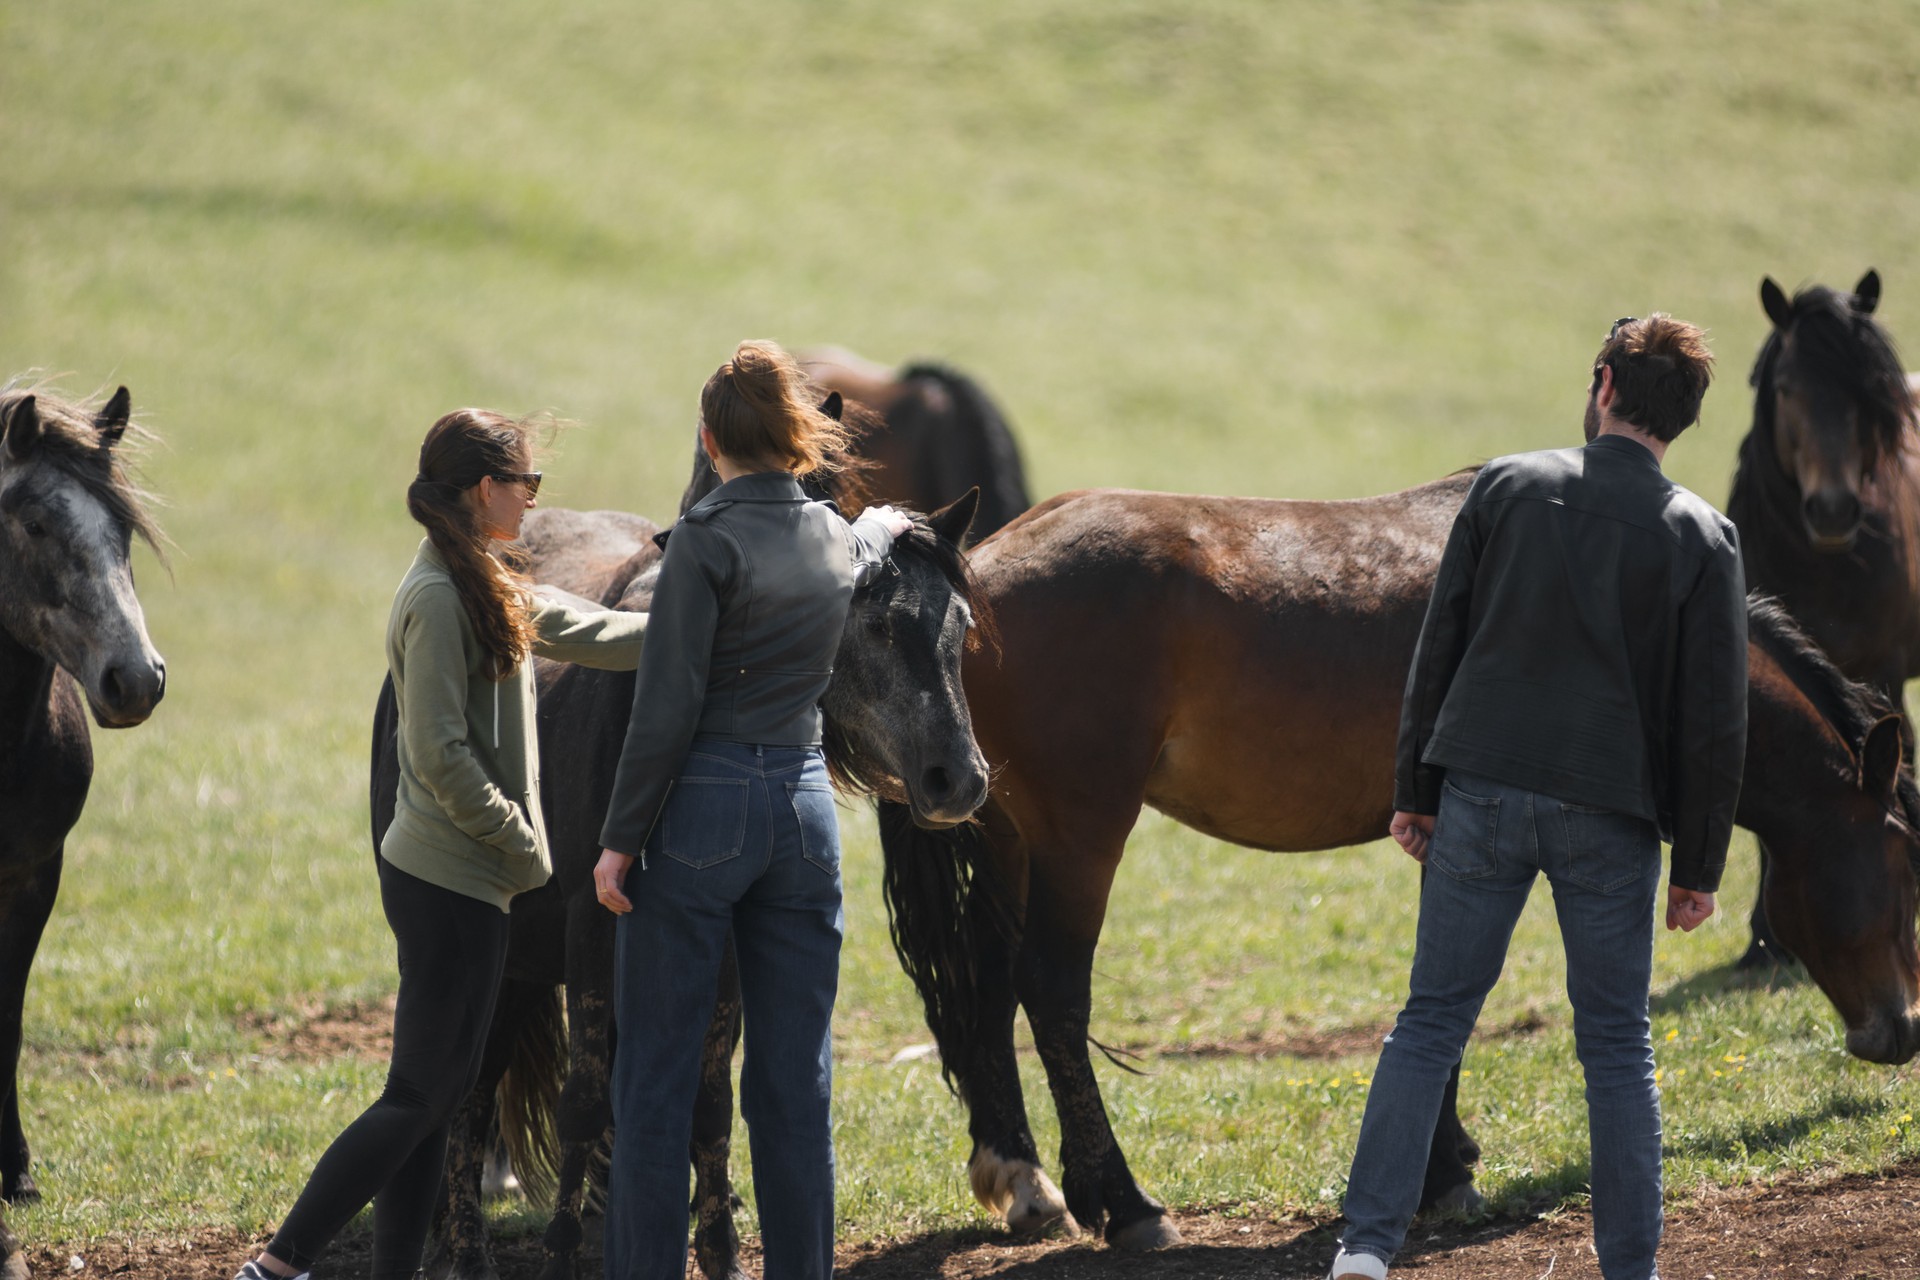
(529, 1093)
(944, 904)
(982, 448)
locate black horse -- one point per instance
(1237, 664)
(68, 517)
(896, 726)
(1827, 492)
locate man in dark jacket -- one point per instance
(1578, 694)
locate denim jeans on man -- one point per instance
(747, 841)
(1488, 842)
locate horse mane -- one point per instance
(1850, 707)
(852, 769)
(986, 442)
(1840, 345)
(69, 441)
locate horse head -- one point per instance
(1828, 791)
(1832, 395)
(68, 516)
(897, 718)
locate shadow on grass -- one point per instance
(1774, 1134)
(1726, 978)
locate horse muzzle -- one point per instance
(1833, 519)
(125, 694)
(1886, 1038)
(942, 797)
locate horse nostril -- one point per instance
(936, 783)
(1832, 513)
(113, 686)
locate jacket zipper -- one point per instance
(656, 822)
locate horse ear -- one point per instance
(1866, 294)
(23, 428)
(1880, 757)
(111, 422)
(1774, 300)
(953, 520)
(833, 406)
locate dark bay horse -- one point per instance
(1827, 492)
(897, 726)
(68, 613)
(1238, 664)
(932, 435)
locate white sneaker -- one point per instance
(1357, 1266)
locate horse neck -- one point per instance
(26, 683)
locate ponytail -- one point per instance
(460, 449)
(760, 408)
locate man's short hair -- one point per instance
(1661, 368)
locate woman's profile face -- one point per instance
(503, 504)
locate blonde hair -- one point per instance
(759, 406)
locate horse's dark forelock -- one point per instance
(852, 767)
(1836, 345)
(69, 442)
(1853, 709)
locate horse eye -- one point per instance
(35, 529)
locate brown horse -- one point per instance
(1238, 665)
(933, 435)
(68, 517)
(1827, 492)
(896, 725)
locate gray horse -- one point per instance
(68, 517)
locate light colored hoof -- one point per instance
(1037, 1207)
(1146, 1235)
(14, 1268)
(1463, 1202)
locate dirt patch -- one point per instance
(1339, 1042)
(1852, 1228)
(315, 1030)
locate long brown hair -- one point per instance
(761, 408)
(460, 449)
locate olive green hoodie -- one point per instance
(467, 814)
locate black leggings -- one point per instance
(452, 951)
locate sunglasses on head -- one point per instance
(531, 479)
(1620, 324)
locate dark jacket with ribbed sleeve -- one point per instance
(745, 621)
(1587, 639)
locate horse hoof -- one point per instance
(1461, 1202)
(1146, 1235)
(14, 1267)
(22, 1190)
(1036, 1207)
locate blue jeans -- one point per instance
(1488, 842)
(747, 841)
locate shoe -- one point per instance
(252, 1270)
(1357, 1266)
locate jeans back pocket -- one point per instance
(705, 822)
(1465, 834)
(819, 829)
(1606, 849)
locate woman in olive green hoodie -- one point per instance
(466, 834)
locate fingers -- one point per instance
(608, 875)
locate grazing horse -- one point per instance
(933, 434)
(896, 725)
(1238, 664)
(1827, 492)
(68, 517)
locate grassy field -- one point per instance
(1215, 246)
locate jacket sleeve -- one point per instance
(433, 721)
(870, 544)
(672, 684)
(1709, 745)
(1442, 643)
(606, 638)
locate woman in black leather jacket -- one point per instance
(722, 801)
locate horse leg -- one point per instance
(1054, 975)
(1004, 1168)
(26, 901)
(716, 1245)
(585, 1110)
(1448, 1188)
(1764, 948)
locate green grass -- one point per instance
(1218, 246)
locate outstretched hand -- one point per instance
(1413, 831)
(894, 522)
(1687, 909)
